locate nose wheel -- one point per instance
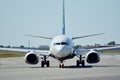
(61, 65)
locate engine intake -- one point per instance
(93, 57)
(31, 58)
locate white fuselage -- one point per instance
(61, 46)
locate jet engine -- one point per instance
(92, 57)
(32, 58)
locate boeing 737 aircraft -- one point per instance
(61, 48)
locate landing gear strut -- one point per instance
(45, 62)
(80, 61)
(61, 65)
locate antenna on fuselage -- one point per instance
(63, 28)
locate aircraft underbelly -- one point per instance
(63, 57)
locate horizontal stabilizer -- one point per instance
(86, 36)
(39, 36)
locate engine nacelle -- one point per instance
(31, 58)
(92, 57)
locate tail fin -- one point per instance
(63, 29)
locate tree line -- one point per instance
(111, 43)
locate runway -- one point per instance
(17, 69)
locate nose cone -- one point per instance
(60, 49)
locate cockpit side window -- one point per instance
(57, 43)
(62, 43)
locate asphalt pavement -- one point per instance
(16, 69)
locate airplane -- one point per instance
(62, 48)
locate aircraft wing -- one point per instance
(107, 48)
(84, 51)
(40, 52)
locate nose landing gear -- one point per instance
(61, 65)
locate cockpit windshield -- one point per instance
(61, 43)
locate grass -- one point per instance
(111, 52)
(6, 54)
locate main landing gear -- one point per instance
(61, 64)
(80, 61)
(45, 62)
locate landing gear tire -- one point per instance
(42, 64)
(78, 63)
(45, 62)
(61, 65)
(48, 64)
(83, 63)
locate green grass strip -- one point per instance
(6, 54)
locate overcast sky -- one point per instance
(44, 18)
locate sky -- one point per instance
(44, 18)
